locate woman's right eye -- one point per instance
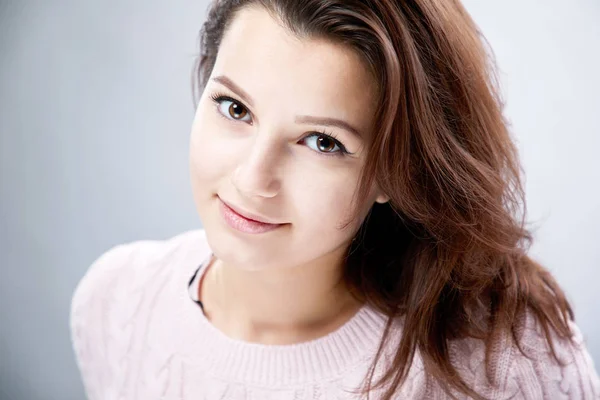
(232, 109)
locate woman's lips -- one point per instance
(242, 223)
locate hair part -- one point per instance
(448, 253)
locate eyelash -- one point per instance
(220, 97)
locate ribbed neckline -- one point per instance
(231, 359)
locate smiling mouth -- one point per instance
(245, 222)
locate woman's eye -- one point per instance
(232, 109)
(323, 143)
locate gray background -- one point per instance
(95, 110)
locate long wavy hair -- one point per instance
(448, 252)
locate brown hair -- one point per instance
(447, 253)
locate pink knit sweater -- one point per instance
(137, 334)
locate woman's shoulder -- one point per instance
(111, 293)
(536, 373)
(529, 371)
(128, 269)
(133, 262)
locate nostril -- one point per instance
(255, 183)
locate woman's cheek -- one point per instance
(327, 198)
(211, 148)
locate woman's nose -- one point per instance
(257, 175)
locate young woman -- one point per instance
(363, 221)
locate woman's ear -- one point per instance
(382, 198)
(377, 195)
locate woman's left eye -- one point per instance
(323, 143)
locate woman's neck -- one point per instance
(277, 306)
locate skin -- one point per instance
(283, 286)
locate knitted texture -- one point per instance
(137, 334)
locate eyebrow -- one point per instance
(325, 121)
(225, 81)
(300, 119)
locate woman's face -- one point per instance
(280, 132)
